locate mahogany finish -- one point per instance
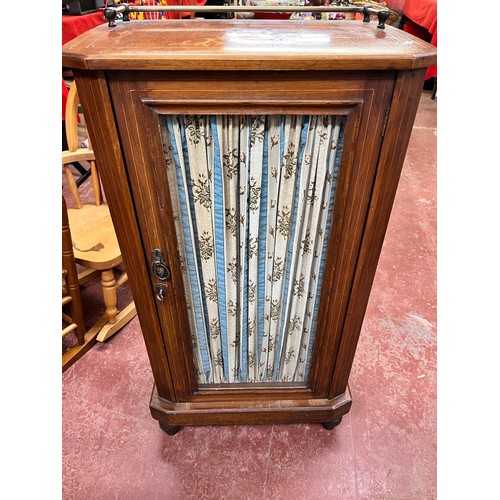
(131, 74)
(247, 45)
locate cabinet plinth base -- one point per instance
(171, 416)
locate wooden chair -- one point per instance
(70, 286)
(94, 241)
(72, 314)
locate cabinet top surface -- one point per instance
(247, 45)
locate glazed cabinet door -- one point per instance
(251, 191)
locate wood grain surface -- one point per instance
(247, 45)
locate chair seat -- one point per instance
(94, 241)
(90, 237)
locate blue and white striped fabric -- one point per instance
(253, 200)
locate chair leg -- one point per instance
(76, 352)
(108, 284)
(122, 319)
(109, 292)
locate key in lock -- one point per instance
(161, 291)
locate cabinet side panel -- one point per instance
(139, 130)
(99, 116)
(400, 120)
(364, 143)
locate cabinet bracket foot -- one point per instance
(331, 424)
(169, 429)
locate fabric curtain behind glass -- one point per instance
(252, 199)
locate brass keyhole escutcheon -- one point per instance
(161, 272)
(158, 265)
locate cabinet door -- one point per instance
(252, 189)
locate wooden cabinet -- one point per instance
(250, 169)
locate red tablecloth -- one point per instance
(422, 22)
(72, 26)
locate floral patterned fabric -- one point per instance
(252, 199)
